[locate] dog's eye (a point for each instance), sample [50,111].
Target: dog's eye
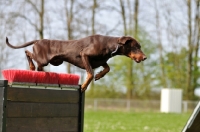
[135,49]
[139,46]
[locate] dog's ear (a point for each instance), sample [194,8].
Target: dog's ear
[124,39]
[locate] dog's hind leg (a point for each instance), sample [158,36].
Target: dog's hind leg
[29,56]
[40,68]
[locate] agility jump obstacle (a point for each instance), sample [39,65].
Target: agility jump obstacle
[29,107]
[193,124]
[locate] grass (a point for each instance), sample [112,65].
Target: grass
[113,121]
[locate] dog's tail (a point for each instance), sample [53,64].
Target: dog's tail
[21,46]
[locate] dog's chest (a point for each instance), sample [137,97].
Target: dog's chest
[103,54]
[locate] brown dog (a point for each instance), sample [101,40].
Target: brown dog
[86,53]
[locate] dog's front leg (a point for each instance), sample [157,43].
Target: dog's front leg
[90,72]
[102,73]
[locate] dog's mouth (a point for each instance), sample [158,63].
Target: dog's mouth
[138,61]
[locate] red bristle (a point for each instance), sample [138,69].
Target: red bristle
[14,75]
[53,78]
[75,79]
[9,75]
[27,76]
[63,78]
[42,77]
[68,79]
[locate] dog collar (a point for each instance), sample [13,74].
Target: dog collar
[115,50]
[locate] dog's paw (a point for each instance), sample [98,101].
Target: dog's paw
[83,88]
[98,76]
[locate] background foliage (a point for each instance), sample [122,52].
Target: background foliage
[168,31]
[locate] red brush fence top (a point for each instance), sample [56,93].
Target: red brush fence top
[15,75]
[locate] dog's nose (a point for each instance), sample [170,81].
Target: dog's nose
[144,57]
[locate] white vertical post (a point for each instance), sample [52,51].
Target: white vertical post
[171,100]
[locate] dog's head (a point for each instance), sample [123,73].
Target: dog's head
[132,49]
